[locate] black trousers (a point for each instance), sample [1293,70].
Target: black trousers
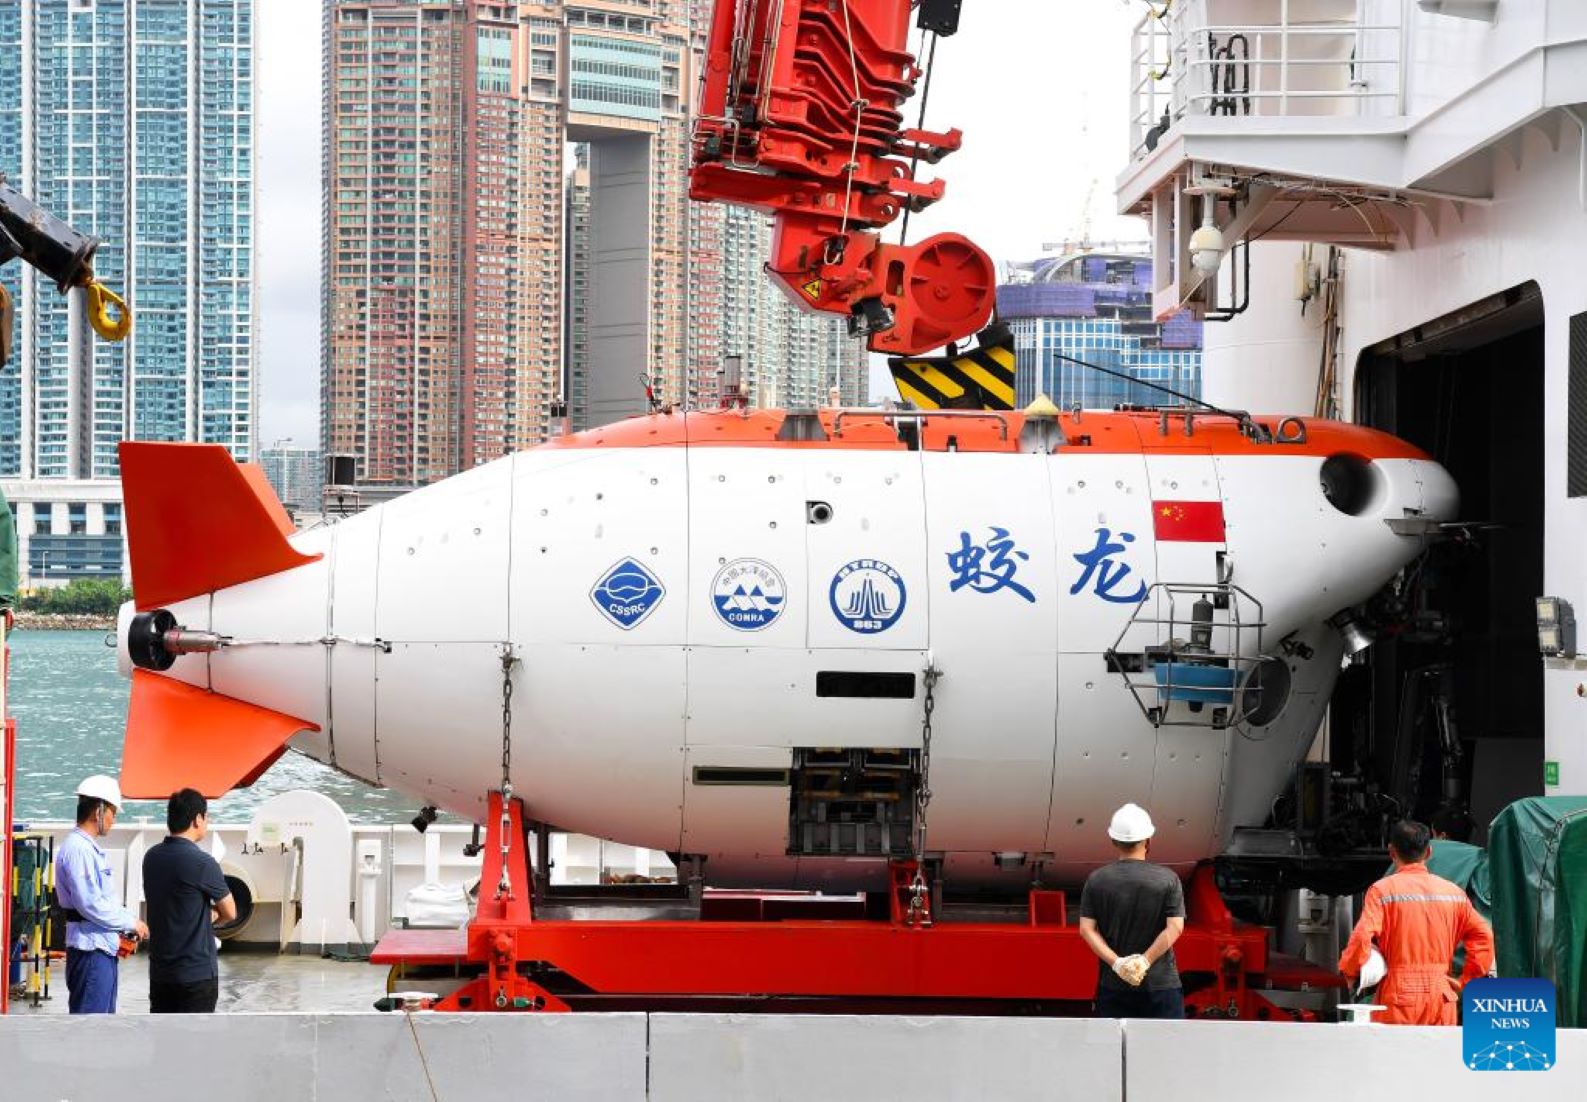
[183,998]
[1140,1002]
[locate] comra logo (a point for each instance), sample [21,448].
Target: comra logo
[1508,1025]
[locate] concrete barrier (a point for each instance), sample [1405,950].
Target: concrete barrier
[710,1056]
[323,1057]
[672,1057]
[1262,1061]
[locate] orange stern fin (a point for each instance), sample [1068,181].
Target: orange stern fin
[198,522]
[179,736]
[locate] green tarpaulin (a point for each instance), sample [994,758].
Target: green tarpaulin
[8,555]
[1537,866]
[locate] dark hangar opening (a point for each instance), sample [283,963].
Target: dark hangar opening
[1463,669]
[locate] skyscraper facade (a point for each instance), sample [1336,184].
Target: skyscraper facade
[296,474]
[1097,308]
[446,130]
[133,121]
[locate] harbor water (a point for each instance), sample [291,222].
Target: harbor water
[70,705]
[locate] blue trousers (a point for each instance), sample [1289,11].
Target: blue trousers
[91,981]
[1140,1002]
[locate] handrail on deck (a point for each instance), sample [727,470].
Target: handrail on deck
[1183,64]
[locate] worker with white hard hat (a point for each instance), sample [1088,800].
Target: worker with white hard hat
[1413,921]
[1131,913]
[95,918]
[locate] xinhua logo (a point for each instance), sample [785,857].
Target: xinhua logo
[1508,1025]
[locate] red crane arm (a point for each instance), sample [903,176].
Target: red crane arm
[800,116]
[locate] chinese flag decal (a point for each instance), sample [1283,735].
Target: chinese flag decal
[1188,521]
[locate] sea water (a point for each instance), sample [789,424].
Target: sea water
[70,705]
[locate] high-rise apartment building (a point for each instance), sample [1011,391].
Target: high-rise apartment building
[133,121]
[296,474]
[1096,307]
[791,357]
[576,288]
[446,129]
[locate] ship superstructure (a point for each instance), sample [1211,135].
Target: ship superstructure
[1386,204]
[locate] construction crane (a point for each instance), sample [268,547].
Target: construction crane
[29,232]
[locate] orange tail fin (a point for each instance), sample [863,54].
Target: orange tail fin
[198,522]
[179,736]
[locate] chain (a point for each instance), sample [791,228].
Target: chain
[509,659]
[918,911]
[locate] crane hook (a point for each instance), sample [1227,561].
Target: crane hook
[100,299]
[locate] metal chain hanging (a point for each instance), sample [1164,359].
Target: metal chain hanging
[509,659]
[919,913]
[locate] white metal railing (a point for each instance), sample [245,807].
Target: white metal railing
[1183,63]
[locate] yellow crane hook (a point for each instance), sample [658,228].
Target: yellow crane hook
[100,301]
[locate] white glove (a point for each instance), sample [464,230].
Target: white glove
[1373,971]
[1131,969]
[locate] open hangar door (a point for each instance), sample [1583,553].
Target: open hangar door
[1445,709]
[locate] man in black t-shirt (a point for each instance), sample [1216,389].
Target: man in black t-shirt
[1131,913]
[186,892]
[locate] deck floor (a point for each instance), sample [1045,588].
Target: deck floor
[256,982]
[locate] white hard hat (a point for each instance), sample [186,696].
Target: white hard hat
[1131,824]
[101,787]
[1373,971]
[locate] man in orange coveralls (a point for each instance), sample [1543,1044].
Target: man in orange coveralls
[1417,919]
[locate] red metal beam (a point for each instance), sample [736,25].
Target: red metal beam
[801,117]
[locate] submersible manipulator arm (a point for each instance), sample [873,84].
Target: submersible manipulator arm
[29,232]
[801,117]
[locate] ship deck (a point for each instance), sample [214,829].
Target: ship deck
[250,982]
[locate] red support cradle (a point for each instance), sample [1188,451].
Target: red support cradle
[839,962]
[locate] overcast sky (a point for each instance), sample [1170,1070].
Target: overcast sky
[1039,88]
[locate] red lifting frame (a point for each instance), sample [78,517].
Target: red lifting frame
[800,117]
[838,959]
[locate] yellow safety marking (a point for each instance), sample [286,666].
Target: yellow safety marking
[998,388]
[981,378]
[919,397]
[938,379]
[812,288]
[1004,356]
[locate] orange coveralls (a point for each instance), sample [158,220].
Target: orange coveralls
[1417,919]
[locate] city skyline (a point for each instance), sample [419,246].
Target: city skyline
[446,129]
[150,147]
[1063,180]
[1095,306]
[132,120]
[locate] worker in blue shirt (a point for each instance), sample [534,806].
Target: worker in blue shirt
[95,921]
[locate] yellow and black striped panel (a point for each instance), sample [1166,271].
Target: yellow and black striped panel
[982,378]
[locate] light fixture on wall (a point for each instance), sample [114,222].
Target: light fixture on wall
[1556,628]
[1357,637]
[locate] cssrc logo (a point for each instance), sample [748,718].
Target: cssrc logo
[1508,1025]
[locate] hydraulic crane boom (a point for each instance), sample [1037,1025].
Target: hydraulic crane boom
[30,232]
[801,117]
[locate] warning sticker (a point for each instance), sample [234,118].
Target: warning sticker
[812,288]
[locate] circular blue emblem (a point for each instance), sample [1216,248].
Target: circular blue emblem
[748,594]
[868,596]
